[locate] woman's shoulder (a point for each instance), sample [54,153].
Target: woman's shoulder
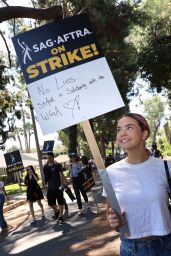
[116,165]
[158,163]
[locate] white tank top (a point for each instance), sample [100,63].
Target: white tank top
[141,190]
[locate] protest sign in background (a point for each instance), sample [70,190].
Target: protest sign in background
[13,161]
[47,148]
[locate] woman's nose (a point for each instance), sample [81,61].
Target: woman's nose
[123,132]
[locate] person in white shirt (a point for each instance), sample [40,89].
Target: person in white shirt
[76,167]
[141,187]
[3,194]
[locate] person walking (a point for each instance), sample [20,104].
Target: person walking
[76,168]
[141,187]
[3,195]
[94,168]
[54,178]
[155,151]
[34,192]
[109,160]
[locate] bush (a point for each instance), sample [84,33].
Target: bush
[168,152]
[3,178]
[14,189]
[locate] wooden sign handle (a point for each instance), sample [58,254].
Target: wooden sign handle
[93,144]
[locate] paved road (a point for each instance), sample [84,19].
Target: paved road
[79,236]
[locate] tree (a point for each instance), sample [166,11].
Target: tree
[27,131]
[154,112]
[152,39]
[13,12]
[16,134]
[9,110]
[167,132]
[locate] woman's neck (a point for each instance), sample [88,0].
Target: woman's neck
[30,176]
[137,157]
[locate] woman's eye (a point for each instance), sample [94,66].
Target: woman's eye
[118,130]
[129,127]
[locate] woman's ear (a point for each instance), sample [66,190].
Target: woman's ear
[145,134]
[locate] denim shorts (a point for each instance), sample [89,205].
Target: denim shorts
[160,246]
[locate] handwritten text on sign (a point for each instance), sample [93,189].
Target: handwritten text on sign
[69,97]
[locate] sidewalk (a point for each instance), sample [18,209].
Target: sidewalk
[14,201]
[94,238]
[16,210]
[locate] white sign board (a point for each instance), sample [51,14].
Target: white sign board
[70,97]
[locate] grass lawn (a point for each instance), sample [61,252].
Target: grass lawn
[14,189]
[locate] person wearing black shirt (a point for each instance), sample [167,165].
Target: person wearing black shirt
[55,179]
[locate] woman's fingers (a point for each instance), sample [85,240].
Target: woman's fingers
[115,219]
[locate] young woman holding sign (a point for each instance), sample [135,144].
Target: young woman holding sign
[141,187]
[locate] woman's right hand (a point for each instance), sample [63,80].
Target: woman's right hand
[116,220]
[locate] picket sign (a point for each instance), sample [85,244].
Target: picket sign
[102,172]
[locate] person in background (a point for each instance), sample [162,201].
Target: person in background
[86,164]
[65,187]
[54,178]
[34,192]
[94,168]
[141,188]
[117,155]
[109,160]
[3,195]
[76,167]
[155,151]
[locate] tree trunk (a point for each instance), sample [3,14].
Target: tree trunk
[29,135]
[112,146]
[102,145]
[167,132]
[19,140]
[155,132]
[37,145]
[72,136]
[12,12]
[25,132]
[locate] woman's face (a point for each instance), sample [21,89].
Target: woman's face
[73,159]
[129,134]
[29,170]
